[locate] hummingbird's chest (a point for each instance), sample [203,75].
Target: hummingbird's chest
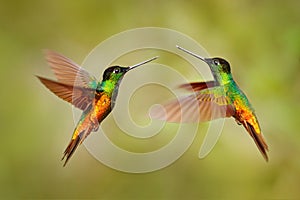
[242,111]
[243,108]
[245,113]
[101,107]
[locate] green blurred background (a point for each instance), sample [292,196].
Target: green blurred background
[261,39]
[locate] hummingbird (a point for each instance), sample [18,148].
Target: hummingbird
[75,85]
[218,98]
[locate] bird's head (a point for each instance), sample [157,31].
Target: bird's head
[219,67]
[116,73]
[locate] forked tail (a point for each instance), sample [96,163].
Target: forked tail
[74,143]
[70,149]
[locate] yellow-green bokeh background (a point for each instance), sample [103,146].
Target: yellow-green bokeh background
[261,39]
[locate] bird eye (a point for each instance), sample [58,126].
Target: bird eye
[117,70]
[216,62]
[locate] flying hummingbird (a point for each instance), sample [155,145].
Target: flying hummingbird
[215,99]
[76,86]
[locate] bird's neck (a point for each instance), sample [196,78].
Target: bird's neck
[223,78]
[110,87]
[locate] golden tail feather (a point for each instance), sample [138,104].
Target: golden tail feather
[258,139]
[70,149]
[74,143]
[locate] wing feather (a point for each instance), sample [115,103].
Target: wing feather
[67,71]
[78,96]
[198,107]
[198,86]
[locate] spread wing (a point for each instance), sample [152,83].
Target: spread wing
[78,96]
[206,105]
[74,84]
[197,86]
[68,72]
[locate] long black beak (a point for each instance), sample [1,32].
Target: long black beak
[191,53]
[142,63]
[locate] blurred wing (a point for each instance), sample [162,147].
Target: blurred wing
[78,96]
[68,72]
[197,86]
[199,107]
